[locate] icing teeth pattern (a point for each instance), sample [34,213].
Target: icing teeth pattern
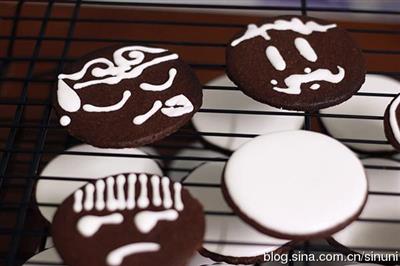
[120,194]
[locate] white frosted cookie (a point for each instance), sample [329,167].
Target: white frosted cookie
[295,184]
[379,235]
[72,166]
[45,258]
[225,232]
[363,129]
[238,123]
[50,257]
[180,168]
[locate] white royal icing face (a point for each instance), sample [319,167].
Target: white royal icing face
[114,72]
[294,81]
[122,195]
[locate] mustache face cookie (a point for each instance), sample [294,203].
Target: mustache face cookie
[296,63]
[126,96]
[129,219]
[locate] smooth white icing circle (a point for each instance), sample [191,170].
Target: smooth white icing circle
[226,228]
[72,166]
[296,183]
[363,129]
[238,123]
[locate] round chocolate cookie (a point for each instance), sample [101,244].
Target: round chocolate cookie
[129,219]
[295,184]
[296,63]
[126,96]
[391,122]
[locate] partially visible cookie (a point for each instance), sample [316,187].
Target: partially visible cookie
[236,122]
[126,96]
[228,238]
[360,128]
[296,63]
[295,184]
[129,219]
[64,173]
[391,122]
[377,234]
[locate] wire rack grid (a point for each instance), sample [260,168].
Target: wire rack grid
[37,38]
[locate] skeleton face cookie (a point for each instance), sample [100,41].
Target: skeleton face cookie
[129,219]
[126,96]
[296,62]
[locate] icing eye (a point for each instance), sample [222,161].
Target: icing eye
[89,225]
[146,221]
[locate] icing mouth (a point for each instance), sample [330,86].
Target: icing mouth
[294,81]
[115,257]
[110,108]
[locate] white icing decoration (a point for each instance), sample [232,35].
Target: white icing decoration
[78,75]
[146,221]
[122,70]
[155,183]
[394,125]
[115,257]
[315,86]
[166,192]
[166,85]
[295,24]
[140,119]
[275,58]
[111,202]
[78,197]
[89,197]
[143,200]
[89,225]
[118,73]
[100,186]
[293,82]
[65,120]
[130,204]
[67,98]
[110,108]
[178,197]
[305,49]
[177,106]
[274,82]
[119,193]
[307,70]
[121,202]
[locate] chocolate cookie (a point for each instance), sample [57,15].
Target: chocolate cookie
[295,184]
[228,237]
[126,96]
[296,63]
[129,219]
[391,122]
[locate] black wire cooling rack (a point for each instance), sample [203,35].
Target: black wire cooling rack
[30,133]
